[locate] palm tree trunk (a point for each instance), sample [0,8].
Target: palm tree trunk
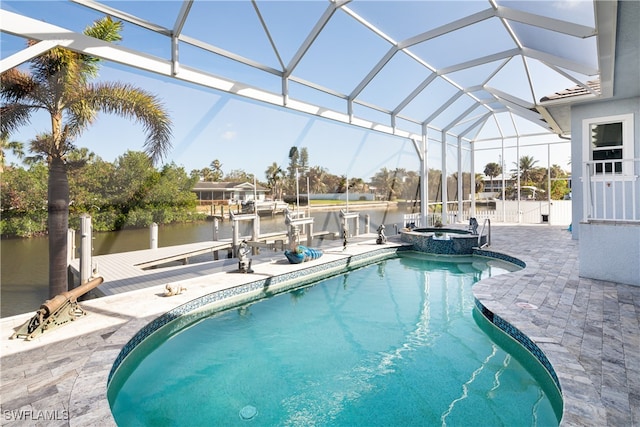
[58,207]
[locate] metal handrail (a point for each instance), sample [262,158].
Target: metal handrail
[484,224]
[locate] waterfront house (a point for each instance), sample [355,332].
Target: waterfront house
[493,186]
[228,192]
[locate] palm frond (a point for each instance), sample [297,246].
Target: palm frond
[105,29]
[15,116]
[16,85]
[137,104]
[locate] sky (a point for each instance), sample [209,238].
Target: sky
[249,135]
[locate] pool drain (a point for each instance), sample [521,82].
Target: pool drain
[248,412]
[527,306]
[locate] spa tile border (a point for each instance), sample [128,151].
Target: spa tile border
[500,256]
[521,338]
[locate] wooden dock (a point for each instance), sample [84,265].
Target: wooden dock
[127,271]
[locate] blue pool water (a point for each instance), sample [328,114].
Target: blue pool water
[394,343]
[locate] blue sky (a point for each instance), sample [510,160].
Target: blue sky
[248,135]
[242,134]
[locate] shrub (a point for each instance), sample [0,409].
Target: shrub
[292,199]
[22,226]
[138,218]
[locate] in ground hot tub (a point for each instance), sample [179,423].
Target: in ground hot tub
[444,241]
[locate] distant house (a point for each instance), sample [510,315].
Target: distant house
[228,192]
[493,187]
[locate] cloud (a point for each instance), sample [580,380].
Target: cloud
[229,135]
[568,4]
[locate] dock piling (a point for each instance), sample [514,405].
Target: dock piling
[85,248]
[153,236]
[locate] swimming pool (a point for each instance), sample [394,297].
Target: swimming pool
[393,343]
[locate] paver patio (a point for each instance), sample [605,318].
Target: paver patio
[589,330]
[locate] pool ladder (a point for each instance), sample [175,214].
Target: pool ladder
[484,225]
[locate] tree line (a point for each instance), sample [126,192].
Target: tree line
[127,193]
[131,193]
[532,175]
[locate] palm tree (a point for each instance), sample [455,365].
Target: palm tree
[59,82]
[15,147]
[275,175]
[294,164]
[317,179]
[526,166]
[206,174]
[492,170]
[216,170]
[479,183]
[388,183]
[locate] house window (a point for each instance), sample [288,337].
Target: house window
[610,141]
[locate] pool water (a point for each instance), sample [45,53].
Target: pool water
[393,343]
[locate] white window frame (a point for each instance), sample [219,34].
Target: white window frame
[627,145]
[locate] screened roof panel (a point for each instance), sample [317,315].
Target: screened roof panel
[370,114]
[163,13]
[316,97]
[350,53]
[484,38]
[466,129]
[582,51]
[456,111]
[142,40]
[506,123]
[395,81]
[578,11]
[232,26]
[221,66]
[489,130]
[338,47]
[401,20]
[473,133]
[545,80]
[430,99]
[289,23]
[525,127]
[10,45]
[476,76]
[513,80]
[410,126]
[55,12]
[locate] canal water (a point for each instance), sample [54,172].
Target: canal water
[24,262]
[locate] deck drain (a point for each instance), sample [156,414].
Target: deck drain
[527,306]
[248,412]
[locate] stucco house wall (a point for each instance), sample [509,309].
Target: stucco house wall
[610,249]
[589,111]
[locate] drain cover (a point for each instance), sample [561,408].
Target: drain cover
[248,412]
[527,306]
